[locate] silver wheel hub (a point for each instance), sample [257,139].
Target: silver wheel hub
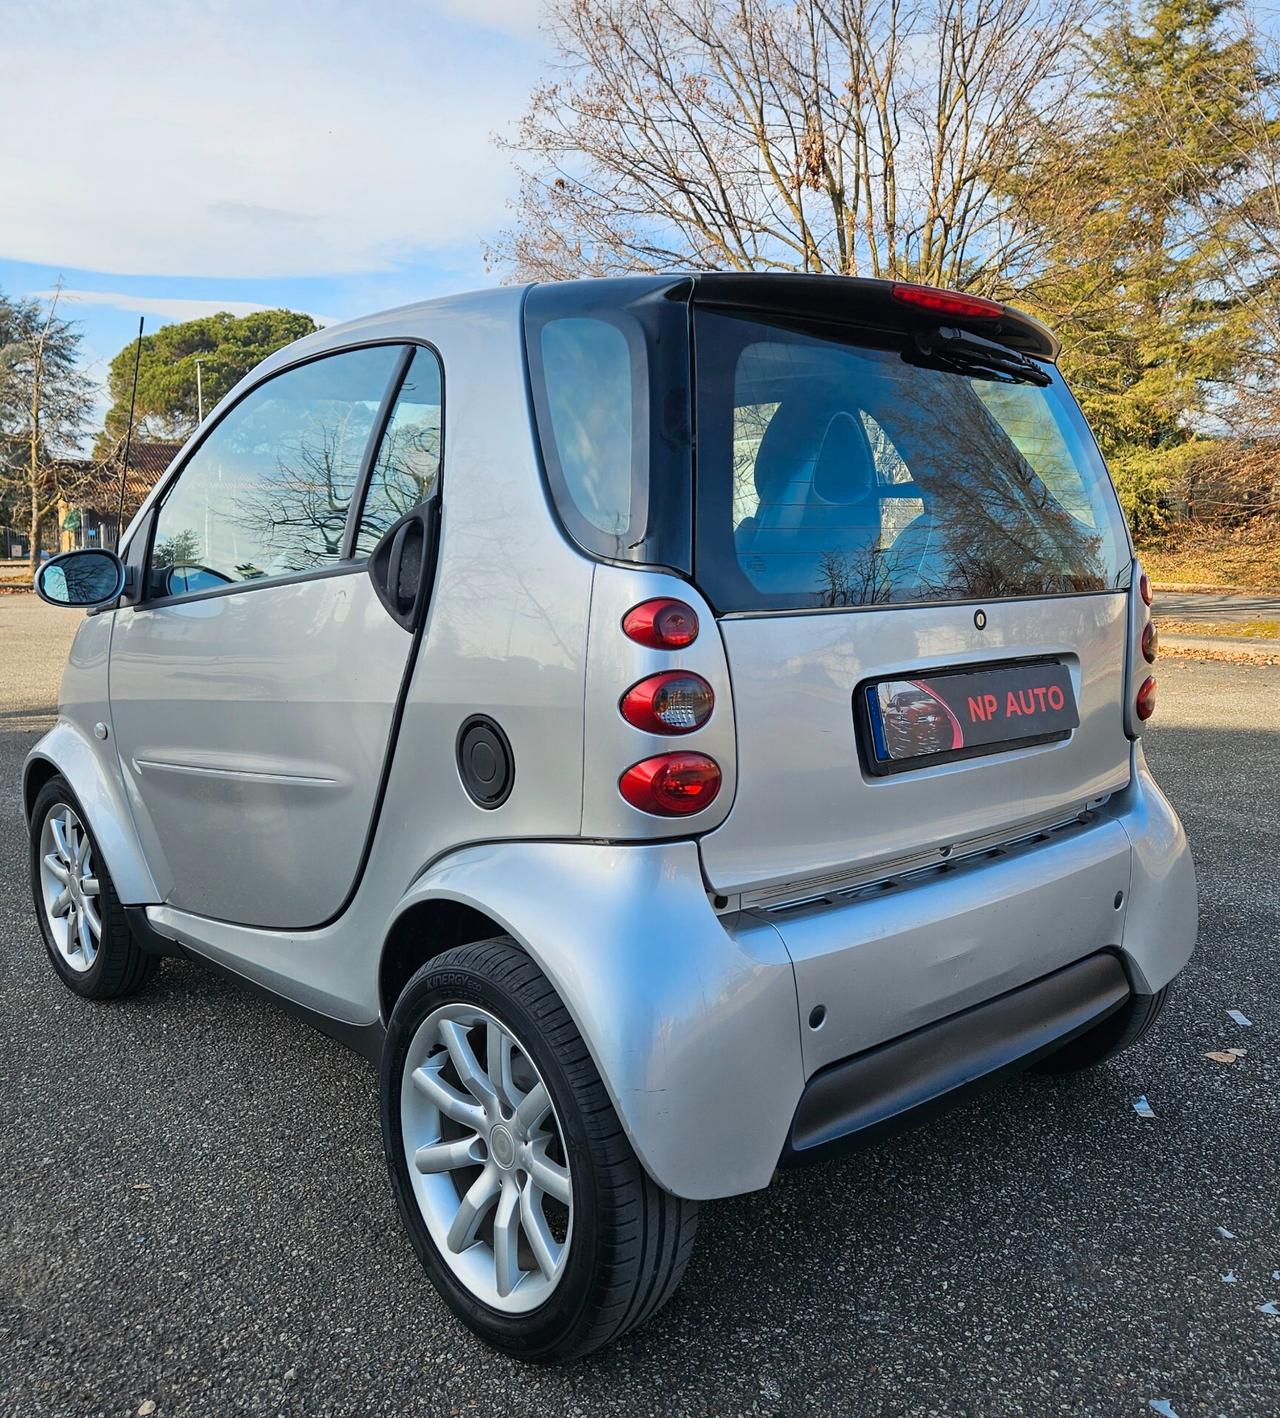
[502,1148]
[69,888]
[486,1158]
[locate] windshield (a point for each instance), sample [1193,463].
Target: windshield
[833,474]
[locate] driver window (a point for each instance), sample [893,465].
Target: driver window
[266,494]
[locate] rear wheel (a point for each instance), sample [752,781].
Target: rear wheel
[86,932]
[526,1204]
[1117,1032]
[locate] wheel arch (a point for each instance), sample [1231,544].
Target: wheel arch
[425,929]
[35,775]
[64,752]
[678,1013]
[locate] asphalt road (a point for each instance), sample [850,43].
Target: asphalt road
[1216,606]
[195,1213]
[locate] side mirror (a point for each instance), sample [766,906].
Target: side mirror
[86,579]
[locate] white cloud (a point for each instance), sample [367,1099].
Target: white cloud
[165,307]
[229,139]
[517,17]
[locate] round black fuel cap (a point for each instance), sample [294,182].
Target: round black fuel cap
[485,762]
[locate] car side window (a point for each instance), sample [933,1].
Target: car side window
[408,463]
[587,366]
[268,491]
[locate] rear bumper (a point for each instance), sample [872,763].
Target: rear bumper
[899,1084]
[890,958]
[700,1024]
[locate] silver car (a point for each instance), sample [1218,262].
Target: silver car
[680,726]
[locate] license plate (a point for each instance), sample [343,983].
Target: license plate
[949,714]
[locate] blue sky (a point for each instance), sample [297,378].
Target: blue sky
[330,157]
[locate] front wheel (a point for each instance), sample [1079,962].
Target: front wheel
[526,1204]
[86,932]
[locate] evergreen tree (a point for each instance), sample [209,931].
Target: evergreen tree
[1144,237]
[225,346]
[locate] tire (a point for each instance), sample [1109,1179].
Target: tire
[119,966]
[622,1242]
[1117,1032]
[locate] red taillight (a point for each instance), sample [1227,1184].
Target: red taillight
[672,784]
[672,703]
[1145,704]
[1150,642]
[1144,588]
[947,302]
[661,624]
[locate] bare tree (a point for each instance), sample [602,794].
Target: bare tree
[44,403]
[847,136]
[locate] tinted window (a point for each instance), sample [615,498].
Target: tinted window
[609,378]
[408,462]
[587,366]
[267,492]
[841,474]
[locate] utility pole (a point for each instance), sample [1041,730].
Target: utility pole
[199,395]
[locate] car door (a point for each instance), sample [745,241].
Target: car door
[254,686]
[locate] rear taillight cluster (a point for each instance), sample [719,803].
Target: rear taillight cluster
[672,703]
[661,624]
[669,702]
[1144,704]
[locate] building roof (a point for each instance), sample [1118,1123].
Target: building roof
[100,490]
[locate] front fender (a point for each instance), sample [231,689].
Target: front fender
[692,1026]
[79,759]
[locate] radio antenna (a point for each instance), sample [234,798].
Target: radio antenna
[128,434]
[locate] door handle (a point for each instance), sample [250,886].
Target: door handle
[401,596]
[402,566]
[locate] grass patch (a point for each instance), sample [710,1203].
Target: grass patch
[1244,558]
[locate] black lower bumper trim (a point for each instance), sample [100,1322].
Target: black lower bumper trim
[899,1084]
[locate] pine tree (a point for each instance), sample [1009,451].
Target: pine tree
[1143,239]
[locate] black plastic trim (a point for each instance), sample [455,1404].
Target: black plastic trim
[482,724]
[851,300]
[901,1083]
[150,941]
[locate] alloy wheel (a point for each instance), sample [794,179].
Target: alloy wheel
[486,1158]
[69,888]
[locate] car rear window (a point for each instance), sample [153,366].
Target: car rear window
[833,473]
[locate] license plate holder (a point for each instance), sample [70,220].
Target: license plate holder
[914,720]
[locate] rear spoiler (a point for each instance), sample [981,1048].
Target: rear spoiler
[856,300]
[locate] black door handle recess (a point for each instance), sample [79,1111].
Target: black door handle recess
[403,564]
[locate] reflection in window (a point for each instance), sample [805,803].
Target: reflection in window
[267,492]
[409,458]
[587,369]
[861,478]
[749,424]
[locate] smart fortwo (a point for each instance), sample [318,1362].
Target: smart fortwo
[679,726]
